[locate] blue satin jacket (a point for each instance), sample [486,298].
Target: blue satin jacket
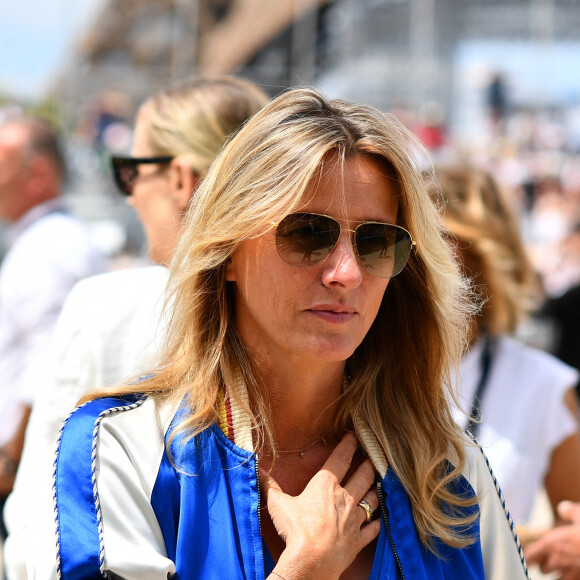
[208,510]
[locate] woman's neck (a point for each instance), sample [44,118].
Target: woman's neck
[303,402]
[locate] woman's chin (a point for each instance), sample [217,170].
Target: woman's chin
[330,350]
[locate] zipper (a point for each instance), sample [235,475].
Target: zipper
[385,513]
[260,517]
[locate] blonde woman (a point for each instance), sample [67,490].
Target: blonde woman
[296,426]
[521,400]
[111,325]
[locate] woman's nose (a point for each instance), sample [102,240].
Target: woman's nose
[342,265]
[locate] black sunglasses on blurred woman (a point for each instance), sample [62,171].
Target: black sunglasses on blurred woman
[125,170]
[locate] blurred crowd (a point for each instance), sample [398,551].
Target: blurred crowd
[534,155]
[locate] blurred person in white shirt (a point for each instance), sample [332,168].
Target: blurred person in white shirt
[49,250]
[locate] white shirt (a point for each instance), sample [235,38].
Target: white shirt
[524,416]
[109,331]
[51,251]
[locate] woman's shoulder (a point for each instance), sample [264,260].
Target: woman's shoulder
[122,310]
[127,410]
[478,471]
[134,421]
[110,430]
[531,360]
[133,283]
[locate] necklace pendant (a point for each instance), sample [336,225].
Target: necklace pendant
[302,454]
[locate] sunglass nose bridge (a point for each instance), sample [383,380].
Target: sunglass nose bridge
[346,237]
[342,264]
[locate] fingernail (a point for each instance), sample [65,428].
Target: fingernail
[564,505]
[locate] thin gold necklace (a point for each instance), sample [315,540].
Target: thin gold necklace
[345,383]
[304,449]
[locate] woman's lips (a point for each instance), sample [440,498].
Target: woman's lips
[333,313]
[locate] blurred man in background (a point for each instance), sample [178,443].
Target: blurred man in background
[48,252]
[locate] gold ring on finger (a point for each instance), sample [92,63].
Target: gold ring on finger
[368,509]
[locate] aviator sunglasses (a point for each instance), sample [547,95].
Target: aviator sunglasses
[305,239]
[125,170]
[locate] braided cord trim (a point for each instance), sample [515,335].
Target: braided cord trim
[97,424]
[507,512]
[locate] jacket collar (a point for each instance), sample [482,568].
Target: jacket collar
[235,423]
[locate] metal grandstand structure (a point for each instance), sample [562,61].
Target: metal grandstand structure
[376,50]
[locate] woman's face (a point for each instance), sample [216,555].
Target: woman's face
[323,311]
[153,201]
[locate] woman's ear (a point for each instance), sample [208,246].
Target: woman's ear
[183,182]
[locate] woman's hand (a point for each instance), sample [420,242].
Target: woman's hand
[324,528]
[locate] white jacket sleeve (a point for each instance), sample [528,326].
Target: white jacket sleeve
[502,554]
[129,543]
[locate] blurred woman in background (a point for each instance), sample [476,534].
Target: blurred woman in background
[520,401]
[111,325]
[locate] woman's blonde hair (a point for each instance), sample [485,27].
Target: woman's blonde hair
[193,118]
[483,222]
[400,372]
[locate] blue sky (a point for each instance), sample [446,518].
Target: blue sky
[35,38]
[538,73]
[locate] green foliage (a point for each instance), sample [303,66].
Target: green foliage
[49,108]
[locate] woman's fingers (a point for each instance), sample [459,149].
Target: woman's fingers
[340,459]
[361,480]
[358,485]
[368,533]
[268,483]
[359,490]
[369,527]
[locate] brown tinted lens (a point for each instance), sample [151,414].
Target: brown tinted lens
[383,249]
[304,239]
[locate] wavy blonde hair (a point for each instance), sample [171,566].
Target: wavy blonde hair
[400,372]
[482,220]
[193,118]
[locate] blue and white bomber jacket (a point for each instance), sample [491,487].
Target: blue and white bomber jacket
[122,510]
